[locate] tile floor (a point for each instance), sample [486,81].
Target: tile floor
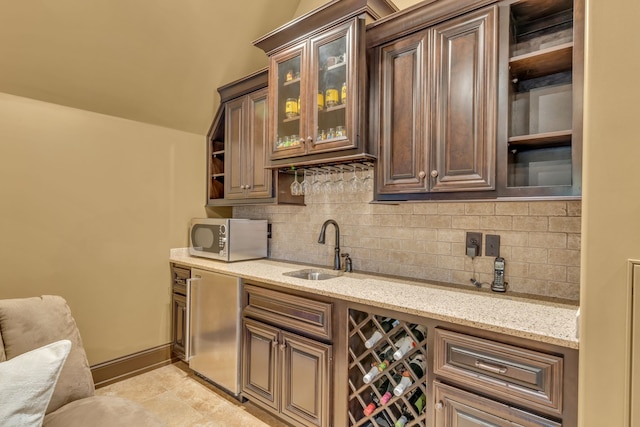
[182,399]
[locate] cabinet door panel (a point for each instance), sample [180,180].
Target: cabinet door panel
[260,179]
[306,380]
[260,362]
[403,116]
[179,325]
[458,408]
[463,136]
[234,148]
[333,58]
[288,85]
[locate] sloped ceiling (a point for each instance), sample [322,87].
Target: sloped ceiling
[154,61]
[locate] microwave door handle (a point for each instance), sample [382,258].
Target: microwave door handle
[187,347]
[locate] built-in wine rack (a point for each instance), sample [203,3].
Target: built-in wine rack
[368,406]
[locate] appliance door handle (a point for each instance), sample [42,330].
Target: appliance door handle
[190,293]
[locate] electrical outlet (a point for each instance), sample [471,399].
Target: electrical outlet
[492,247]
[473,244]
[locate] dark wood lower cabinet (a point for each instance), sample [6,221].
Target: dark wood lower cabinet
[308,360]
[179,326]
[455,407]
[288,373]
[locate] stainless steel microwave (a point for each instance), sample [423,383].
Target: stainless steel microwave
[228,239]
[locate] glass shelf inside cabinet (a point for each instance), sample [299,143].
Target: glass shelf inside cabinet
[387,371]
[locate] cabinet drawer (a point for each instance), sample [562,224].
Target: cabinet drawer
[514,374]
[180,275]
[289,311]
[455,407]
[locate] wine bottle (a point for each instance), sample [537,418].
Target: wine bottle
[417,365]
[417,402]
[375,401]
[381,422]
[407,342]
[387,394]
[386,356]
[387,324]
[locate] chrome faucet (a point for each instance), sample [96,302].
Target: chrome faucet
[336,260]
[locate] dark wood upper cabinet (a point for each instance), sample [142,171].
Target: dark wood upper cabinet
[478,99]
[464,96]
[318,85]
[246,132]
[434,108]
[401,111]
[237,148]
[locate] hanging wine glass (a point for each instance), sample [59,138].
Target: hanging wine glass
[354,181]
[305,185]
[295,185]
[317,183]
[339,182]
[367,179]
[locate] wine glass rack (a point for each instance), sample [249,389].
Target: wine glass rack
[367,407]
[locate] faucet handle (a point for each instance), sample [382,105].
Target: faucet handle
[348,265]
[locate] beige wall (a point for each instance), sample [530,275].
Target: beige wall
[91,205]
[540,241]
[611,208]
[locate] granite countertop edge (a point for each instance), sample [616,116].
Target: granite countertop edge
[548,322]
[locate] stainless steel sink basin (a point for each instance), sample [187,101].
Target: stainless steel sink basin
[313,274]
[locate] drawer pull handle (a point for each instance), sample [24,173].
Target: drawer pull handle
[496,369]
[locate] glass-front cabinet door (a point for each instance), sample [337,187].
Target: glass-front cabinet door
[314,106]
[288,68]
[332,58]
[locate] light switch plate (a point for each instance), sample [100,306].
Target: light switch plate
[492,247]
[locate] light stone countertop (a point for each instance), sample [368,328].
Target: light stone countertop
[548,322]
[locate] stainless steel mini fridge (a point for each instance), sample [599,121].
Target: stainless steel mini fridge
[214,320]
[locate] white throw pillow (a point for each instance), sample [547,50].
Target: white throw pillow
[27,382]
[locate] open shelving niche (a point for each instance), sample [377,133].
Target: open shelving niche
[361,394]
[215,157]
[541,95]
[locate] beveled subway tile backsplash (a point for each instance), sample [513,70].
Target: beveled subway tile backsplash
[540,240]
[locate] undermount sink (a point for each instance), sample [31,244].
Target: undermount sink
[311,274]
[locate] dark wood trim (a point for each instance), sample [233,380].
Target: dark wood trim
[331,13]
[245,85]
[129,366]
[418,17]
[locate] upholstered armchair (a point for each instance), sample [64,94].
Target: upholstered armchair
[45,377]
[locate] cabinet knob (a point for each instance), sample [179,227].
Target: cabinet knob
[274,343]
[422,174]
[310,139]
[439,406]
[434,173]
